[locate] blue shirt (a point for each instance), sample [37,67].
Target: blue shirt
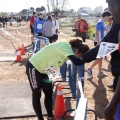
[38,25]
[101,28]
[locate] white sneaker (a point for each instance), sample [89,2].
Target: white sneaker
[101,74]
[89,72]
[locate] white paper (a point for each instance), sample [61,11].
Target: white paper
[39,26]
[106,48]
[52,72]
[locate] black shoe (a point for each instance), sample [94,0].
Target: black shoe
[110,86]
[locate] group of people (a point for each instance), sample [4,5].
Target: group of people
[48,60]
[48,28]
[3,21]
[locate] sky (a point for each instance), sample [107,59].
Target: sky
[18,5]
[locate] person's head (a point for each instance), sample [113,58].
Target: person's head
[79,17]
[53,17]
[49,18]
[106,15]
[78,46]
[34,13]
[41,15]
[114,7]
[110,21]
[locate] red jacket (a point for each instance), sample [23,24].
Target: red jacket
[31,20]
[81,26]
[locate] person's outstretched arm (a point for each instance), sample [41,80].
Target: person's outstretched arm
[75,60]
[111,37]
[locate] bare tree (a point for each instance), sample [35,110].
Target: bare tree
[57,5]
[32,9]
[48,5]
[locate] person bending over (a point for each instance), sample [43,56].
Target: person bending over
[45,64]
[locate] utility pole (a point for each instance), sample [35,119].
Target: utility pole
[27,11]
[48,6]
[57,4]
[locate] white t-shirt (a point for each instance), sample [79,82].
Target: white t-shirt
[108,27]
[56,26]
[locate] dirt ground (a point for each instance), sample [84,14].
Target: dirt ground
[95,90]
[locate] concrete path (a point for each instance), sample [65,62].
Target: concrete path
[6,57]
[15,100]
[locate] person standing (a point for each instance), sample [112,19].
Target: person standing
[31,25]
[3,21]
[100,29]
[38,25]
[55,28]
[47,29]
[81,27]
[6,20]
[109,25]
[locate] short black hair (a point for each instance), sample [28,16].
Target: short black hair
[49,17]
[106,13]
[113,1]
[33,13]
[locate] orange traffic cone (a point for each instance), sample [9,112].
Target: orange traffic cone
[18,59]
[59,104]
[22,50]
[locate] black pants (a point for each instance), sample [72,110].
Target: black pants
[82,35]
[50,39]
[39,34]
[83,38]
[115,82]
[37,84]
[55,37]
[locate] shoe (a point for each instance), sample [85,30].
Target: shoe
[89,71]
[101,74]
[110,86]
[50,118]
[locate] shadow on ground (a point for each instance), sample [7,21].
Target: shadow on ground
[100,93]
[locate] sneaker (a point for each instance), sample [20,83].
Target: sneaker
[50,118]
[101,74]
[89,71]
[110,86]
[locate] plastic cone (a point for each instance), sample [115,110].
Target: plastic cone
[22,50]
[18,58]
[59,104]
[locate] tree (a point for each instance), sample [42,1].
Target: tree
[106,9]
[38,9]
[3,14]
[32,9]
[43,8]
[24,11]
[72,11]
[57,5]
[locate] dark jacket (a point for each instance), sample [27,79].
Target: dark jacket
[111,37]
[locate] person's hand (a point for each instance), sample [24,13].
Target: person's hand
[110,112]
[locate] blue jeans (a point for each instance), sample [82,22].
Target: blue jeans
[72,71]
[63,70]
[117,115]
